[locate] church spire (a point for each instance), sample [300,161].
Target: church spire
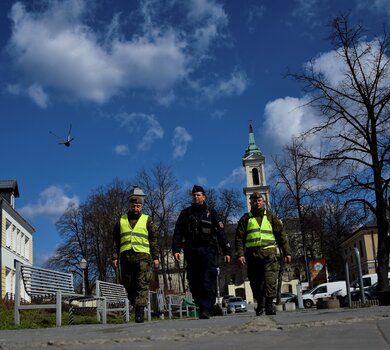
[252,147]
[253,162]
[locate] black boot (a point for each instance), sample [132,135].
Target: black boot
[139,314]
[259,309]
[204,314]
[269,306]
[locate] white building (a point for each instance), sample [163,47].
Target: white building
[16,238]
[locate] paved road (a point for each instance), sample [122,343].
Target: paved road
[364,328]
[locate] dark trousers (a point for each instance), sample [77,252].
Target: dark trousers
[262,275]
[136,275]
[202,276]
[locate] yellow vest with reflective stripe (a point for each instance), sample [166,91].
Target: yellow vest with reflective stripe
[259,236]
[134,238]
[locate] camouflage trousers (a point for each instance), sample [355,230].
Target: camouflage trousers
[136,275]
[263,275]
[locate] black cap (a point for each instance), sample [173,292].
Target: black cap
[256,195]
[197,188]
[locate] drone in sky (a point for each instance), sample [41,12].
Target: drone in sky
[68,140]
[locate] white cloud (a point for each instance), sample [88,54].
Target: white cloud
[237,176]
[52,202]
[286,118]
[298,115]
[181,138]
[166,98]
[209,19]
[13,89]
[218,114]
[334,69]
[122,150]
[147,124]
[62,53]
[234,86]
[36,93]
[330,65]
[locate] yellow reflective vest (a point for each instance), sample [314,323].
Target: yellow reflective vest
[134,238]
[259,236]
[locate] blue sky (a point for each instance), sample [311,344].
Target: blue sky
[150,81]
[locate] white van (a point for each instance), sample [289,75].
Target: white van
[368,281]
[324,290]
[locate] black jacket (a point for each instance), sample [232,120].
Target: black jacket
[198,226]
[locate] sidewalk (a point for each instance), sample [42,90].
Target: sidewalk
[343,328]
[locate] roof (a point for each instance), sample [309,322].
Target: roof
[252,147]
[7,186]
[370,225]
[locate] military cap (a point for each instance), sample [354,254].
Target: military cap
[197,188]
[256,195]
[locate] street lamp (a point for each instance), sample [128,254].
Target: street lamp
[83,266]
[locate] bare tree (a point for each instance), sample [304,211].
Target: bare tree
[101,212]
[355,124]
[71,228]
[338,222]
[296,173]
[87,233]
[161,203]
[228,204]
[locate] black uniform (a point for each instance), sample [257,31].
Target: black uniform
[198,232]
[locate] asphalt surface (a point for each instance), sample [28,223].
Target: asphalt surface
[341,328]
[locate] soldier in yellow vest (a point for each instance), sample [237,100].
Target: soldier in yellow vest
[135,246]
[258,234]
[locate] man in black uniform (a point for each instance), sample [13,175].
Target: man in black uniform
[198,232]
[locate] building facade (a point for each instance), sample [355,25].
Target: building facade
[16,238]
[365,240]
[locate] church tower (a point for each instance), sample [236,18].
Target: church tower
[253,162]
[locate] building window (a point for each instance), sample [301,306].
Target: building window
[255,176]
[22,244]
[361,249]
[8,281]
[27,248]
[18,241]
[8,234]
[13,238]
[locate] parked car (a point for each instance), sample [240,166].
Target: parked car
[284,297]
[236,304]
[368,280]
[370,292]
[324,290]
[225,299]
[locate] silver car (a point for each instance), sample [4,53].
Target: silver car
[236,304]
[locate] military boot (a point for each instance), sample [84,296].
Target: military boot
[259,309]
[269,306]
[139,314]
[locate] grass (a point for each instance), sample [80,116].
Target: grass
[41,318]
